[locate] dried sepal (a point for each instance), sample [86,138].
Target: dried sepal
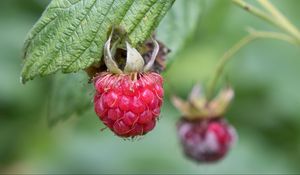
[197,106]
[222,101]
[149,65]
[134,60]
[160,61]
[111,65]
[151,49]
[196,93]
[181,105]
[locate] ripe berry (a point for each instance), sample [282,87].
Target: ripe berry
[205,140]
[128,96]
[128,104]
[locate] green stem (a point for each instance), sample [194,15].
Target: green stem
[232,51]
[283,22]
[224,59]
[275,17]
[274,35]
[255,11]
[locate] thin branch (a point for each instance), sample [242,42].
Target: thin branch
[274,35]
[275,17]
[255,11]
[284,22]
[224,59]
[233,50]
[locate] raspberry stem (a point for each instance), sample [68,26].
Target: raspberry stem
[283,22]
[239,45]
[274,17]
[255,11]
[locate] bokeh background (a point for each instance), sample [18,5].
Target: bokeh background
[265,112]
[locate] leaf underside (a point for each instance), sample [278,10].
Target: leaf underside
[70,95]
[71,34]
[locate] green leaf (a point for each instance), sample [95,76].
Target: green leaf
[179,25]
[175,29]
[70,95]
[71,34]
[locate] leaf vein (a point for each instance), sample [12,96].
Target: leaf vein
[76,58]
[69,36]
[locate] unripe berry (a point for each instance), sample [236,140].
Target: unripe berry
[205,140]
[128,104]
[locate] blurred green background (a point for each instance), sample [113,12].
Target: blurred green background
[265,112]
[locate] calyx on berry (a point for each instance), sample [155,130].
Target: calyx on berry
[134,61]
[204,134]
[198,107]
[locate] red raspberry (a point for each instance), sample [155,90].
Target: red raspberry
[206,140]
[128,105]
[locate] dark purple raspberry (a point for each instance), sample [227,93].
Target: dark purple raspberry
[205,140]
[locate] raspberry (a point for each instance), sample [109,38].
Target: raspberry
[128,104]
[205,140]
